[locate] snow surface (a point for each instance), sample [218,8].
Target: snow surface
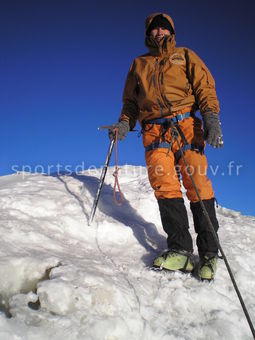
[61,279]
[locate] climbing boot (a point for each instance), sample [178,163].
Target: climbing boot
[207,267]
[175,260]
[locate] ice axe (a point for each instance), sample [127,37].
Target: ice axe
[103,174]
[101,181]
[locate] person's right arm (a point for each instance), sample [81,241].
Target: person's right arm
[130,109]
[129,113]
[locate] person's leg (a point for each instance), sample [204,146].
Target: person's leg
[207,246]
[175,223]
[198,166]
[165,182]
[205,240]
[206,243]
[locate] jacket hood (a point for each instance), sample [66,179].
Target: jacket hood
[149,19]
[150,42]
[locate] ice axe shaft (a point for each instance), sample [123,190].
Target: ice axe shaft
[101,182]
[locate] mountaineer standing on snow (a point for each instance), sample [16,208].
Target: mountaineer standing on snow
[173,83]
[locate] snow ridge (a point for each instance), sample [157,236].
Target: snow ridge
[60,278]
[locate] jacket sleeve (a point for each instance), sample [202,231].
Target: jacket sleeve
[130,109]
[203,84]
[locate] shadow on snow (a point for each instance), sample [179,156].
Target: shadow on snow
[146,233]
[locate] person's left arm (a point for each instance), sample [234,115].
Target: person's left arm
[203,85]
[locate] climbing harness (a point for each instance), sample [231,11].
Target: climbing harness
[166,123]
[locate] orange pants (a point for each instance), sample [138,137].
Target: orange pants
[163,168]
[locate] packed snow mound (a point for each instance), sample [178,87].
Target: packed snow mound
[61,279]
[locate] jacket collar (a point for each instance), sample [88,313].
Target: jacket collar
[160,49]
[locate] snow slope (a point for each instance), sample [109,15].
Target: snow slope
[60,279]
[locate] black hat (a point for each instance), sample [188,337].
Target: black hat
[160,21]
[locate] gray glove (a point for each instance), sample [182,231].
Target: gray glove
[212,129]
[123,128]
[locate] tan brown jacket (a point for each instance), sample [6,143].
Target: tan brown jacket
[166,80]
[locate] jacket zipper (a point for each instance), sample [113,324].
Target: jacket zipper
[161,83]
[158,82]
[156,85]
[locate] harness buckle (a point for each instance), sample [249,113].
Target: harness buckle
[180,117]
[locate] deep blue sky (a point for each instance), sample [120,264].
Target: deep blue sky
[63,66]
